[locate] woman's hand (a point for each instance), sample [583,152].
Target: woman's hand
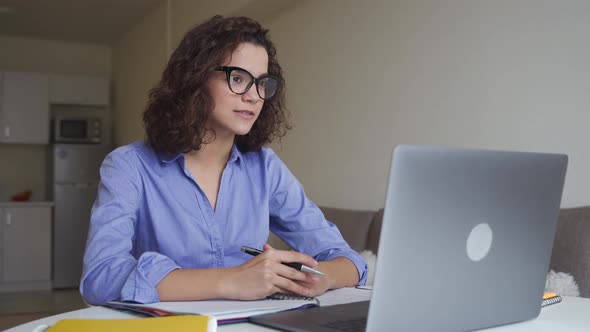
[265,274]
[339,272]
[316,288]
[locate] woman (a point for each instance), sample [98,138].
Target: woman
[173,212]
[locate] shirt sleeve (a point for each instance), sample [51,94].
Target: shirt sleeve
[301,224]
[111,272]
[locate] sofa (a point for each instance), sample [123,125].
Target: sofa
[571,248]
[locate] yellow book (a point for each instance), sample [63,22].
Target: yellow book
[184,323]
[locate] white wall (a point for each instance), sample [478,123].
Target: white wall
[363,76]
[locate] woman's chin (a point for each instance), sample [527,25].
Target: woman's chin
[242,131]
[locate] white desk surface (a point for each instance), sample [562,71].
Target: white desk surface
[572,314]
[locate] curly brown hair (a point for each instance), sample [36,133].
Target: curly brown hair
[180,104]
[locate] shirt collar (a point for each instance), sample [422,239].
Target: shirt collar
[167,158]
[235,154]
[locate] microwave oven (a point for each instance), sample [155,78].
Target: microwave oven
[79,130]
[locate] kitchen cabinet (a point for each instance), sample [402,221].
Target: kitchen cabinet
[24,108]
[25,260]
[79,90]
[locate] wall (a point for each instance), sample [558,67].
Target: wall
[24,166]
[50,56]
[185,14]
[365,76]
[139,57]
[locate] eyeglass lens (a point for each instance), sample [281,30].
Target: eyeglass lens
[240,81]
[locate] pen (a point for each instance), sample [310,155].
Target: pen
[296,266]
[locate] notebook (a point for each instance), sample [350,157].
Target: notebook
[550,298]
[465,244]
[224,311]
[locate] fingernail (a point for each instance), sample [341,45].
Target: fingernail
[315,278]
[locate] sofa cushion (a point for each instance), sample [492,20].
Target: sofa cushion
[353,225]
[571,248]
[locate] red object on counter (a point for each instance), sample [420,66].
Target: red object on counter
[22,196]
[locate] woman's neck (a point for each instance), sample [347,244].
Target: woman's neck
[213,154]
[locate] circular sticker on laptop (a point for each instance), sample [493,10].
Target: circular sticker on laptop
[479,242]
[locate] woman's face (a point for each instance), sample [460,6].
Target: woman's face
[234,114]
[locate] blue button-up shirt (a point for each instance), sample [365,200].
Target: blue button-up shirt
[151,217]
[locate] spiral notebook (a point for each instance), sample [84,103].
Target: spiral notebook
[225,311]
[550,298]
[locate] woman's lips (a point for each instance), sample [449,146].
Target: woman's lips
[245,114]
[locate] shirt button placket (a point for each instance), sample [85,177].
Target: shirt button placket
[219,257]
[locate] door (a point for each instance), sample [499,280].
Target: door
[24,108]
[77,163]
[73,203]
[26,242]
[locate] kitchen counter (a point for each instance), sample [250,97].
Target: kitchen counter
[26,204]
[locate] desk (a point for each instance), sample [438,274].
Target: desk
[572,314]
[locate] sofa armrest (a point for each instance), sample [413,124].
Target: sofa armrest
[353,225]
[571,248]
[375,232]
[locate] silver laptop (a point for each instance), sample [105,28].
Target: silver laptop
[465,244]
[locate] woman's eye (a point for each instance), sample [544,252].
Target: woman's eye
[236,79]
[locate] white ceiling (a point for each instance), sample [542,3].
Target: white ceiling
[88,21]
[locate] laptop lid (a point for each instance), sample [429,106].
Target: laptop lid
[465,244]
[466,238]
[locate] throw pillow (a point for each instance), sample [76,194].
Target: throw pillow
[371,260]
[562,284]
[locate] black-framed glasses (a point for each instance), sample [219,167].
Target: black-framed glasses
[239,81]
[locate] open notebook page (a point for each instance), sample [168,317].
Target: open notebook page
[227,309]
[232,310]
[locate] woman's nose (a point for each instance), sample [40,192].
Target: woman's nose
[251,95]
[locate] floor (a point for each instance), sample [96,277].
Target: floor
[21,307]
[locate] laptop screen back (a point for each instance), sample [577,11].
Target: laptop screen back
[466,238]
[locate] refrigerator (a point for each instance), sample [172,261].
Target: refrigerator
[75,177]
